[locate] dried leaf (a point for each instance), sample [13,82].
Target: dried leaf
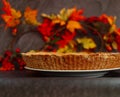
[52,16]
[87,43]
[30,16]
[114,45]
[112,28]
[64,14]
[16,14]
[58,21]
[11,16]
[66,49]
[77,15]
[72,25]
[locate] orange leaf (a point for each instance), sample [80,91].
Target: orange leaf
[30,16]
[72,25]
[10,20]
[11,16]
[77,15]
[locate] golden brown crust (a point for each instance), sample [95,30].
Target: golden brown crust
[72,61]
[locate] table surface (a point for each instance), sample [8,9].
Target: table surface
[30,73]
[28,83]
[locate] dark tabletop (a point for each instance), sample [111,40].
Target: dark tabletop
[29,83]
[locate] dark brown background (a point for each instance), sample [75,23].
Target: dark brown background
[33,40]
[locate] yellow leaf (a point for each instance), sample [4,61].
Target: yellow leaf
[87,43]
[52,16]
[16,14]
[112,28]
[114,45]
[66,49]
[30,16]
[72,44]
[64,14]
[72,25]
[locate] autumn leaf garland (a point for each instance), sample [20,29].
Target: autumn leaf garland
[67,31]
[80,33]
[30,16]
[13,17]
